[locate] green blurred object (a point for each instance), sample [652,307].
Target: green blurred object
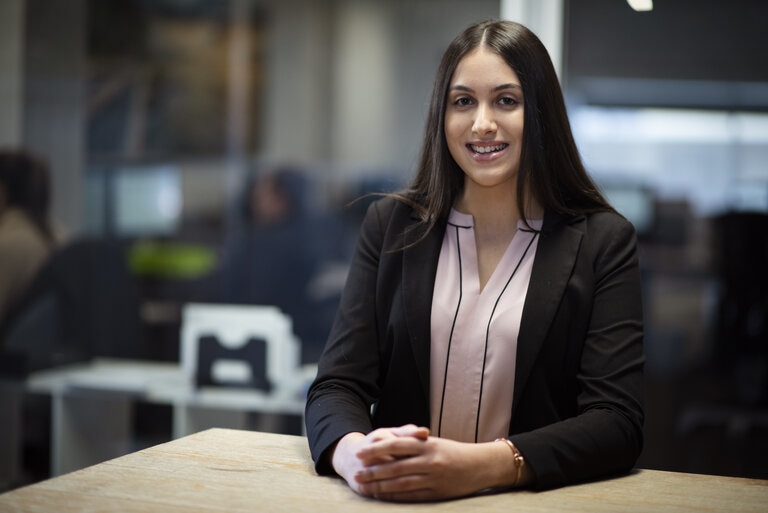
[170,260]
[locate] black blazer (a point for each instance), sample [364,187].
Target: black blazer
[577,411]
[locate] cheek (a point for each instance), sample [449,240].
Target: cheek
[453,132]
[519,123]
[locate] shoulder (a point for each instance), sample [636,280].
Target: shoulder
[595,225]
[609,223]
[604,236]
[389,211]
[18,234]
[611,241]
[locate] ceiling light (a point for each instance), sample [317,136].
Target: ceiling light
[641,5]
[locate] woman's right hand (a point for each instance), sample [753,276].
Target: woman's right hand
[345,460]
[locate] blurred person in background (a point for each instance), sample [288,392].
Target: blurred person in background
[27,238]
[272,257]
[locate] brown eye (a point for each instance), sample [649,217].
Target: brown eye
[462,101]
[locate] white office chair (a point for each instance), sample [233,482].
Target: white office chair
[244,346]
[242,359]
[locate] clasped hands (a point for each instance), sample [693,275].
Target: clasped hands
[405,463]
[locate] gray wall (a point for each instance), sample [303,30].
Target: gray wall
[352,90]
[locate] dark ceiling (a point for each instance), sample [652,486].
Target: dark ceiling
[687,53]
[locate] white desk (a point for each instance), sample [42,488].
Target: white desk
[221,470]
[92,402]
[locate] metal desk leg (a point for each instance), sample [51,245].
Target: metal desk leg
[88,428]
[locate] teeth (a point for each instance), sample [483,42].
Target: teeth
[487,149]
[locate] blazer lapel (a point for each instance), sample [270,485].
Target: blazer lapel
[556,253]
[419,269]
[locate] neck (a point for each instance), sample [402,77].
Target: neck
[489,206]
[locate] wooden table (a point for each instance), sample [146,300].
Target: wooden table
[221,470]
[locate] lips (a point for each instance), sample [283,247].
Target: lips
[484,149]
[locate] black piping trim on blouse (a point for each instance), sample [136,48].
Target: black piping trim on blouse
[453,325]
[488,330]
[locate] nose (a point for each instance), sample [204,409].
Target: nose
[484,120]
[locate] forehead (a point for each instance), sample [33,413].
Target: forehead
[483,66]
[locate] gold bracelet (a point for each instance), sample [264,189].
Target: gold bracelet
[518,458]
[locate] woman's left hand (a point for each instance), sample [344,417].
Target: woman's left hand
[432,469]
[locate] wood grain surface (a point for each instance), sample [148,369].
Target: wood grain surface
[221,470]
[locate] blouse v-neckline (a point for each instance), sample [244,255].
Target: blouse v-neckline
[513,253]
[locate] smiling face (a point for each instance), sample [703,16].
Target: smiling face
[484,120]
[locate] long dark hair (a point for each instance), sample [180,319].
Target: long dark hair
[26,181]
[550,165]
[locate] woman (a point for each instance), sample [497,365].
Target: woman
[490,332]
[26,238]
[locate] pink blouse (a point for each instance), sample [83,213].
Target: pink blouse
[474,333]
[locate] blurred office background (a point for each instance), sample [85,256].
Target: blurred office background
[186,136]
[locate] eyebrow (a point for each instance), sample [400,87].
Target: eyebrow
[501,87]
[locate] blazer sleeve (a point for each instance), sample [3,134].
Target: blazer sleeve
[347,383]
[600,315]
